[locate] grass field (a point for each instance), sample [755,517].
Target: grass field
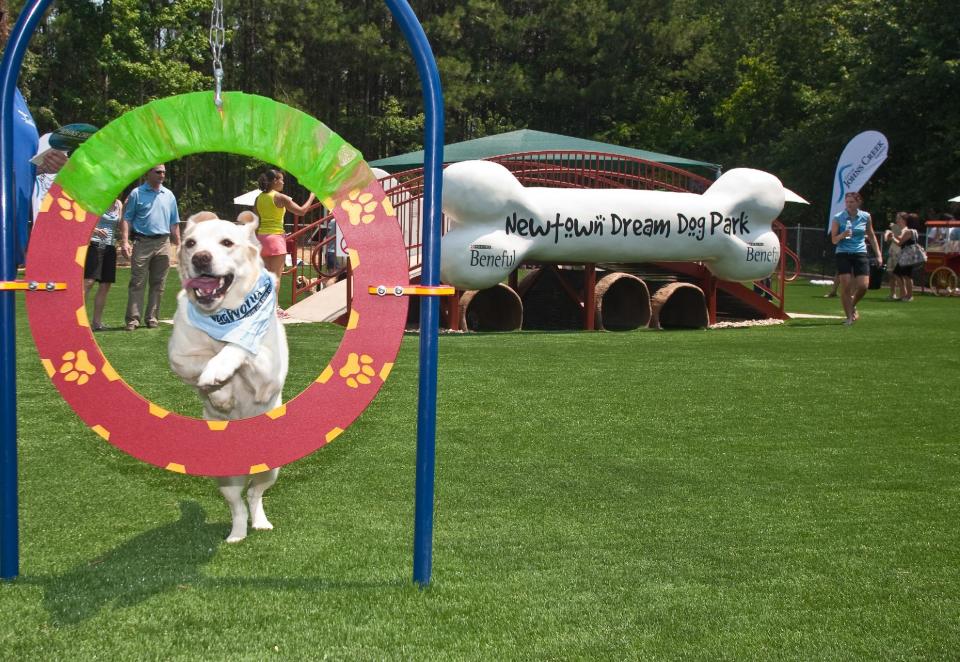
[785,492]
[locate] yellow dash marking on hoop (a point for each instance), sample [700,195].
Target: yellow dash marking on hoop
[159,412]
[102,431]
[354,321]
[333,434]
[329,203]
[385,371]
[325,375]
[109,372]
[354,258]
[259,468]
[388,207]
[277,412]
[82,317]
[49,367]
[217,426]
[81,257]
[177,468]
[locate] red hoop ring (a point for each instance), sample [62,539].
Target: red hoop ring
[119,414]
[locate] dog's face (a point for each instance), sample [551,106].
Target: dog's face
[219,262]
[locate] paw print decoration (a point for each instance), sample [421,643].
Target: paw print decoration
[357,370]
[67,208]
[360,207]
[77,367]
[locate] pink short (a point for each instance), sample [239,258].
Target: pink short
[272,244]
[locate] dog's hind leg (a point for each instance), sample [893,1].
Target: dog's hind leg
[231,487]
[259,484]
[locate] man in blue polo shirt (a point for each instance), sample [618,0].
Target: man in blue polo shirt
[150,219]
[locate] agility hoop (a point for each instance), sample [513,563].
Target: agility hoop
[165,130]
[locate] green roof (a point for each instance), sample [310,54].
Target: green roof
[527,140]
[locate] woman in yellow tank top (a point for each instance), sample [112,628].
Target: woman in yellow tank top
[271,205]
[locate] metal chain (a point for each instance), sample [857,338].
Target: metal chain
[217,39]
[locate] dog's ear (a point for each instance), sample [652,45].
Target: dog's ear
[247,217]
[201,216]
[251,223]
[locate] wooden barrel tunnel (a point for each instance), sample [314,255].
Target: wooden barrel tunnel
[622,303]
[496,308]
[679,306]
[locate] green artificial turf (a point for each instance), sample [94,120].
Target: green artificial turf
[786,492]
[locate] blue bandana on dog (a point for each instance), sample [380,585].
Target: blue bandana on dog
[245,325]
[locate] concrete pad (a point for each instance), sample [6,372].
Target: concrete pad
[324,306]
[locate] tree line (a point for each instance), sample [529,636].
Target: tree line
[779,85]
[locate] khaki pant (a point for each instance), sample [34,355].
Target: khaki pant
[149,263]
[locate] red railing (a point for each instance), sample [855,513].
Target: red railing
[598,170]
[405,192]
[775,287]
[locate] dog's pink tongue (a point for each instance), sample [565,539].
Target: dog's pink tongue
[203,283]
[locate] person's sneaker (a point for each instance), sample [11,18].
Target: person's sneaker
[829,295]
[848,322]
[282,314]
[152,324]
[96,326]
[131,326]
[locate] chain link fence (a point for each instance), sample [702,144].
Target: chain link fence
[815,249]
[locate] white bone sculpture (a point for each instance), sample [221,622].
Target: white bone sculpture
[496,224]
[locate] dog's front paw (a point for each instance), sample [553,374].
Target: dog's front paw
[215,374]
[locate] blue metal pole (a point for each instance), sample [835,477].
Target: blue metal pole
[430,275]
[9,71]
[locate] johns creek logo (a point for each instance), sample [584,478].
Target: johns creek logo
[842,180]
[848,173]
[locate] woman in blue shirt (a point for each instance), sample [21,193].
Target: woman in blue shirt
[849,231]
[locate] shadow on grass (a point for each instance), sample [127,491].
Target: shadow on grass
[166,558]
[150,563]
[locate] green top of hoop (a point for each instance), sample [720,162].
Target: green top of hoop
[173,127]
